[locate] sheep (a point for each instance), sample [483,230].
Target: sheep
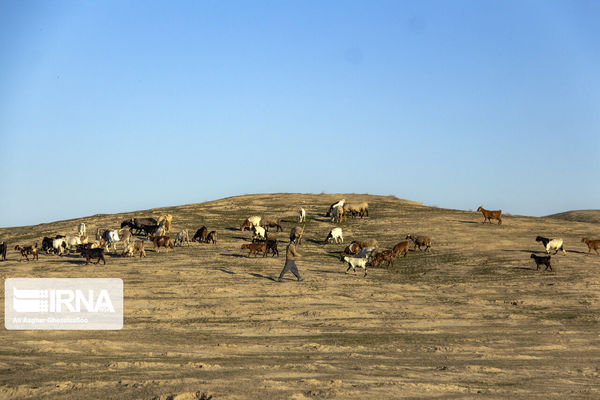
[28,250]
[296,234]
[182,236]
[259,232]
[592,244]
[201,235]
[366,243]
[81,229]
[250,222]
[168,221]
[3,247]
[335,234]
[351,210]
[385,255]
[490,215]
[363,209]
[161,241]
[542,260]
[301,215]
[93,253]
[401,247]
[271,223]
[336,204]
[551,244]
[354,262]
[337,215]
[212,237]
[132,248]
[420,241]
[255,248]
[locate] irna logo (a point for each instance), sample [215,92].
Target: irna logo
[31,300]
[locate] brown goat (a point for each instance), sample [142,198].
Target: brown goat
[490,215]
[161,241]
[28,250]
[592,244]
[401,247]
[135,247]
[385,255]
[366,243]
[351,250]
[255,248]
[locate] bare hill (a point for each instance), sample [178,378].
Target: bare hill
[592,216]
[471,318]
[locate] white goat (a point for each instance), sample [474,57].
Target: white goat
[59,245]
[556,245]
[72,242]
[354,262]
[259,232]
[182,236]
[302,215]
[335,234]
[81,229]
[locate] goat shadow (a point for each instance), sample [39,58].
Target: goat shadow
[525,268]
[237,255]
[269,278]
[226,271]
[468,222]
[579,252]
[232,229]
[315,241]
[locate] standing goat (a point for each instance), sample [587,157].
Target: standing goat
[490,215]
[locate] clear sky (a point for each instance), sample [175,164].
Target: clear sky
[109,106]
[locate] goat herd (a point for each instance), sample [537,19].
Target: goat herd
[357,254]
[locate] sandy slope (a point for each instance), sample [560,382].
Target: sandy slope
[473,318]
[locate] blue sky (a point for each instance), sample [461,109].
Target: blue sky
[123,105]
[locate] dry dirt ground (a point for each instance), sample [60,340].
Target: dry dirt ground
[473,318]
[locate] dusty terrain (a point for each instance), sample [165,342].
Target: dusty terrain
[473,318]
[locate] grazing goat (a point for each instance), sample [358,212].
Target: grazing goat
[352,249]
[336,204]
[271,223]
[420,241]
[201,235]
[301,215]
[250,223]
[168,221]
[490,215]
[3,247]
[132,248]
[551,244]
[338,214]
[592,244]
[212,237]
[401,247]
[90,254]
[542,260]
[380,257]
[161,241]
[335,234]
[354,262]
[351,210]
[28,250]
[296,234]
[255,248]
[182,236]
[81,229]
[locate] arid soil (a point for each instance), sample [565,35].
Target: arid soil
[472,318]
